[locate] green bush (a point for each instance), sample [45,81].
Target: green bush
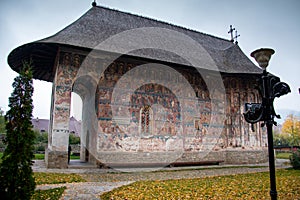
[73,139]
[40,148]
[40,137]
[295,159]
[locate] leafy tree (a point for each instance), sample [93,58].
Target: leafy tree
[16,176]
[291,126]
[282,139]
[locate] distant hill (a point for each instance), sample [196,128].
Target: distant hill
[284,113]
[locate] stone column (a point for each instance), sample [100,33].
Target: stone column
[58,141]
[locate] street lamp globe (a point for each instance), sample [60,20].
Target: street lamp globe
[262,56]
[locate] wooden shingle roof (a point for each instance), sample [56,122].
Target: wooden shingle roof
[99,24]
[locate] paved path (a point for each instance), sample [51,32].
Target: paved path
[104,180]
[86,190]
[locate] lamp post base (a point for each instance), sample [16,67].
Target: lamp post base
[273,192]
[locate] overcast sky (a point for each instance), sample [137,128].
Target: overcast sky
[261,23]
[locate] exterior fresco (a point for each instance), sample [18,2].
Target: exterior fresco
[127,135]
[150,116]
[61,99]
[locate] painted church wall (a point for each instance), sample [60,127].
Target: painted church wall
[174,124]
[176,120]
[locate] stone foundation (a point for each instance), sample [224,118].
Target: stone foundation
[246,156]
[142,158]
[56,159]
[228,156]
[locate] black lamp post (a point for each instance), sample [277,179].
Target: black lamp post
[270,87]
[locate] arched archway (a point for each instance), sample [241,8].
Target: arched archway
[75,124]
[76,106]
[84,89]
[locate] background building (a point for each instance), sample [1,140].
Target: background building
[42,125]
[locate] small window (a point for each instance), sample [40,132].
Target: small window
[146,115]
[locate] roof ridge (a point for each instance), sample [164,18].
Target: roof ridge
[160,21]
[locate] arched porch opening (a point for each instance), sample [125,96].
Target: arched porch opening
[83,106]
[75,125]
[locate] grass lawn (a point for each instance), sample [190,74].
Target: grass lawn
[283,155]
[53,178]
[245,186]
[42,157]
[53,194]
[56,178]
[39,156]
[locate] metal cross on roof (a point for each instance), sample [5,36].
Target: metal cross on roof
[231,33]
[236,36]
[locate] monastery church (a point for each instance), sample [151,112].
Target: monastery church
[153,93]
